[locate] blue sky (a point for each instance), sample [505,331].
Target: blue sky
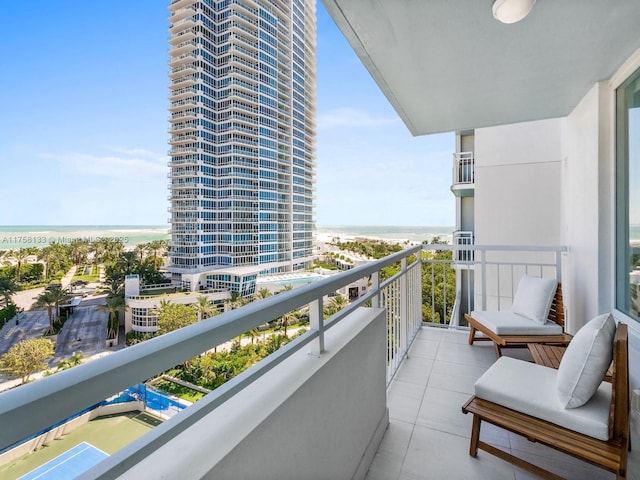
[84,125]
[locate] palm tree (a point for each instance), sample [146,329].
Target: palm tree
[127,261]
[113,307]
[113,286]
[8,288]
[51,300]
[19,256]
[55,256]
[235,301]
[205,308]
[156,246]
[74,360]
[111,249]
[78,250]
[287,319]
[336,304]
[140,249]
[262,294]
[45,255]
[286,288]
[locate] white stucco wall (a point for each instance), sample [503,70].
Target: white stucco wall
[311,417]
[588,205]
[517,175]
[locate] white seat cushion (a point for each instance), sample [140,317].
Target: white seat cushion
[531,389]
[505,322]
[586,360]
[534,297]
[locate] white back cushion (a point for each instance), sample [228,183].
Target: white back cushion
[585,362]
[533,298]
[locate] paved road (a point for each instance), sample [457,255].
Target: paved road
[29,325]
[84,331]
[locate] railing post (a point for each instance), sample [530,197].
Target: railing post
[375,286]
[404,303]
[316,322]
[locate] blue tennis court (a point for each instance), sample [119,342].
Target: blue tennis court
[69,464]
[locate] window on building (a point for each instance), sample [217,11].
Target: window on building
[628,197]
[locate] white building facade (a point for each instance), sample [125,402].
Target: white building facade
[242,125]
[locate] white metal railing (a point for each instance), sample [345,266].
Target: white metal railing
[402,295]
[463,168]
[70,391]
[486,280]
[463,238]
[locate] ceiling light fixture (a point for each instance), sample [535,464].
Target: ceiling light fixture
[511,11]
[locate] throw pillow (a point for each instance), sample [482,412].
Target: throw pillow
[533,298]
[586,361]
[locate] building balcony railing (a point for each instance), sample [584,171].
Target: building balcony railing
[385,317]
[189,68]
[179,14]
[463,174]
[183,47]
[463,238]
[182,59]
[180,25]
[181,93]
[184,35]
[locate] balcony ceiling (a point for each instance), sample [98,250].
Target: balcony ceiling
[448,65]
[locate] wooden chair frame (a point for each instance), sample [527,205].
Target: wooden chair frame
[610,455]
[556,314]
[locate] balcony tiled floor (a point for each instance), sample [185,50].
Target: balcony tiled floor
[428,435]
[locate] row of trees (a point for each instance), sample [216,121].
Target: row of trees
[438,277]
[56,258]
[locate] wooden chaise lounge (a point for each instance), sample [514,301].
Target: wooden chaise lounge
[501,340]
[609,411]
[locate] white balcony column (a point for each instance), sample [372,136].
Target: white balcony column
[316,322]
[375,286]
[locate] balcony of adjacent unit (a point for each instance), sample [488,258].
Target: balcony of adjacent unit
[463,174]
[183,116]
[178,4]
[183,81]
[239,28]
[181,13]
[182,93]
[182,59]
[183,138]
[183,207]
[189,171]
[186,69]
[183,127]
[183,36]
[464,240]
[182,105]
[182,25]
[183,150]
[182,48]
[188,160]
[183,196]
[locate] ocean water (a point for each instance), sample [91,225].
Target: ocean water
[389,232]
[18,236]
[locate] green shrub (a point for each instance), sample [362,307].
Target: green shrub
[7,313]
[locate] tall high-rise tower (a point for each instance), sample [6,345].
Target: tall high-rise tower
[242,115]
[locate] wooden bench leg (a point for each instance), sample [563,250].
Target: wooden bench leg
[472,335]
[498,349]
[475,436]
